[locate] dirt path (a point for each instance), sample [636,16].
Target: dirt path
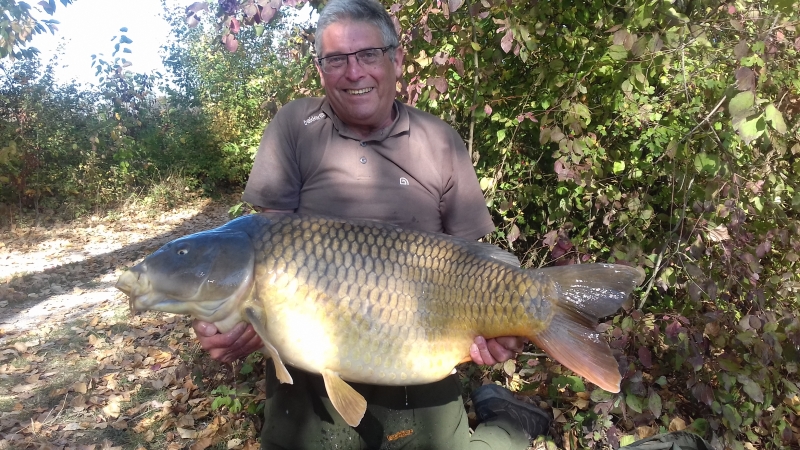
[56,273]
[76,371]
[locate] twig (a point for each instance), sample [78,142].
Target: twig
[722,100]
[657,267]
[475,80]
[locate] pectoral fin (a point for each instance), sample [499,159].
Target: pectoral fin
[256,319]
[348,403]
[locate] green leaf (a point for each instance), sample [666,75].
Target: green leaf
[476,46]
[742,105]
[775,118]
[617,52]
[619,167]
[732,417]
[751,388]
[574,383]
[634,403]
[628,439]
[220,402]
[600,396]
[750,129]
[705,163]
[654,404]
[501,135]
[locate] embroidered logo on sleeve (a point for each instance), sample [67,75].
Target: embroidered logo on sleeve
[313,119]
[403,181]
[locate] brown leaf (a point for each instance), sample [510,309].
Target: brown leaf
[78,401]
[186,433]
[719,234]
[741,50]
[20,388]
[507,41]
[202,444]
[454,4]
[73,426]
[745,79]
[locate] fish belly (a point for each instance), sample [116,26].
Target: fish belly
[384,306]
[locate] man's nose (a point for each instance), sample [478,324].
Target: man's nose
[354,70]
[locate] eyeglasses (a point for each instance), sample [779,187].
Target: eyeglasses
[367,58]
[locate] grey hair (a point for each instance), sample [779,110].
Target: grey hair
[368,11]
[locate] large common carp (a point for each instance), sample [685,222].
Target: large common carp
[369,302]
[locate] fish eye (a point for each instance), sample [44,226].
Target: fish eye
[183,251]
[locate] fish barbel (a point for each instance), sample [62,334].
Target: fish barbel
[370,302]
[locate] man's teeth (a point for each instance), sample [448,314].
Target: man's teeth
[358,91]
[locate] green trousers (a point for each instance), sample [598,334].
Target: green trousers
[300,416]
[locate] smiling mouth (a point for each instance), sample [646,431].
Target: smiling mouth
[359,91]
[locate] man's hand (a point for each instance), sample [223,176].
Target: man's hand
[227,347]
[495,350]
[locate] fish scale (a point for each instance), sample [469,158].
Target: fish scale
[370,302]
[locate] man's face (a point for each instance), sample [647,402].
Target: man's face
[362,97]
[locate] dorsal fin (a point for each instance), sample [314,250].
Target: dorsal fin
[486,250]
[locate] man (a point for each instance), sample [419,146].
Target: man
[358,153]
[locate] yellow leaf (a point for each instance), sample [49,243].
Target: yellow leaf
[644,431]
[112,409]
[581,403]
[677,424]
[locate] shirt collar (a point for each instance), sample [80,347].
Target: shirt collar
[399,125]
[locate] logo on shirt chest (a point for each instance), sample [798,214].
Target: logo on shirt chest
[313,119]
[403,181]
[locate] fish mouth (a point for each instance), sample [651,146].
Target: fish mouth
[138,289]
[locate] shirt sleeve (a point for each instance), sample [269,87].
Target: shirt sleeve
[275,181]
[464,211]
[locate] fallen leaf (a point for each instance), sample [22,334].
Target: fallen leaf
[677,424]
[202,444]
[20,388]
[644,432]
[112,409]
[186,433]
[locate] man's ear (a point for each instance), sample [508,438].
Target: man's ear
[398,62]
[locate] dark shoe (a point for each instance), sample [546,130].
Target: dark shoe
[493,402]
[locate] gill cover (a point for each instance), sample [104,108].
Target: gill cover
[197,274]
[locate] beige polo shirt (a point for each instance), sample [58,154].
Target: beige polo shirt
[416,173]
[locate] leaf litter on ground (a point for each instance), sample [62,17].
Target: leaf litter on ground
[76,371]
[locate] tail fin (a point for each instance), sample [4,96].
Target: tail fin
[586,293]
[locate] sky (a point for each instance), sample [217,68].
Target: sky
[88,26]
